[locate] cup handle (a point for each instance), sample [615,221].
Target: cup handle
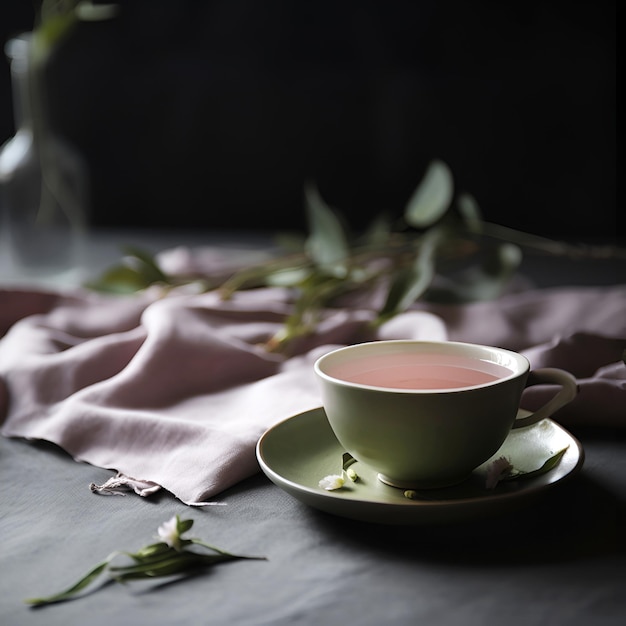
[548,376]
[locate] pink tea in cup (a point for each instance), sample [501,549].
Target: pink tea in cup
[418,371]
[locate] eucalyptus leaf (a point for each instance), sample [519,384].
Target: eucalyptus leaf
[145,263]
[504,260]
[138,270]
[432,198]
[120,279]
[327,242]
[411,282]
[470,212]
[288,277]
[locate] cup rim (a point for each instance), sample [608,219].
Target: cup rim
[523,365]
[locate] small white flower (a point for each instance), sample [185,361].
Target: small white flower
[332,482]
[169,534]
[496,470]
[352,475]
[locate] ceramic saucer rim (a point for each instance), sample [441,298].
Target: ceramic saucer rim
[483,501]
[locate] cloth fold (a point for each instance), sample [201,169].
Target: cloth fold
[176,390]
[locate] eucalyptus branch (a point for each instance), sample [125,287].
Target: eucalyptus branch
[441,250]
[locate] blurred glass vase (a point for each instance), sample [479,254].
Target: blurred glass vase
[43,182]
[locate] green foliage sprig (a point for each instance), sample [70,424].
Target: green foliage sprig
[440,250]
[171,556]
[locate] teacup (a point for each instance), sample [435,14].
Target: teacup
[425,414]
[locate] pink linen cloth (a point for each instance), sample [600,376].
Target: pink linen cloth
[173,391]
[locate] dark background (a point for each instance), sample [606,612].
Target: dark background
[213,114]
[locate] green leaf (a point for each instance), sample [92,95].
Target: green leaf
[289,277]
[120,279]
[183,525]
[412,282]
[151,551]
[137,271]
[432,197]
[505,258]
[143,557]
[550,464]
[470,212]
[146,264]
[74,589]
[327,242]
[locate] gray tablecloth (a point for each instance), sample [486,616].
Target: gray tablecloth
[563,561]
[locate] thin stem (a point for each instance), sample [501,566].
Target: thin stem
[549,246]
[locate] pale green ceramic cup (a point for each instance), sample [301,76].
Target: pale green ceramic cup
[426,414]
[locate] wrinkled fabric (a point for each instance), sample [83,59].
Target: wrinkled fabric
[175,390]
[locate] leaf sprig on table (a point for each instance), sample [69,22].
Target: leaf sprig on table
[171,556]
[440,249]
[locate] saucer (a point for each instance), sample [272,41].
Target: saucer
[298,452]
